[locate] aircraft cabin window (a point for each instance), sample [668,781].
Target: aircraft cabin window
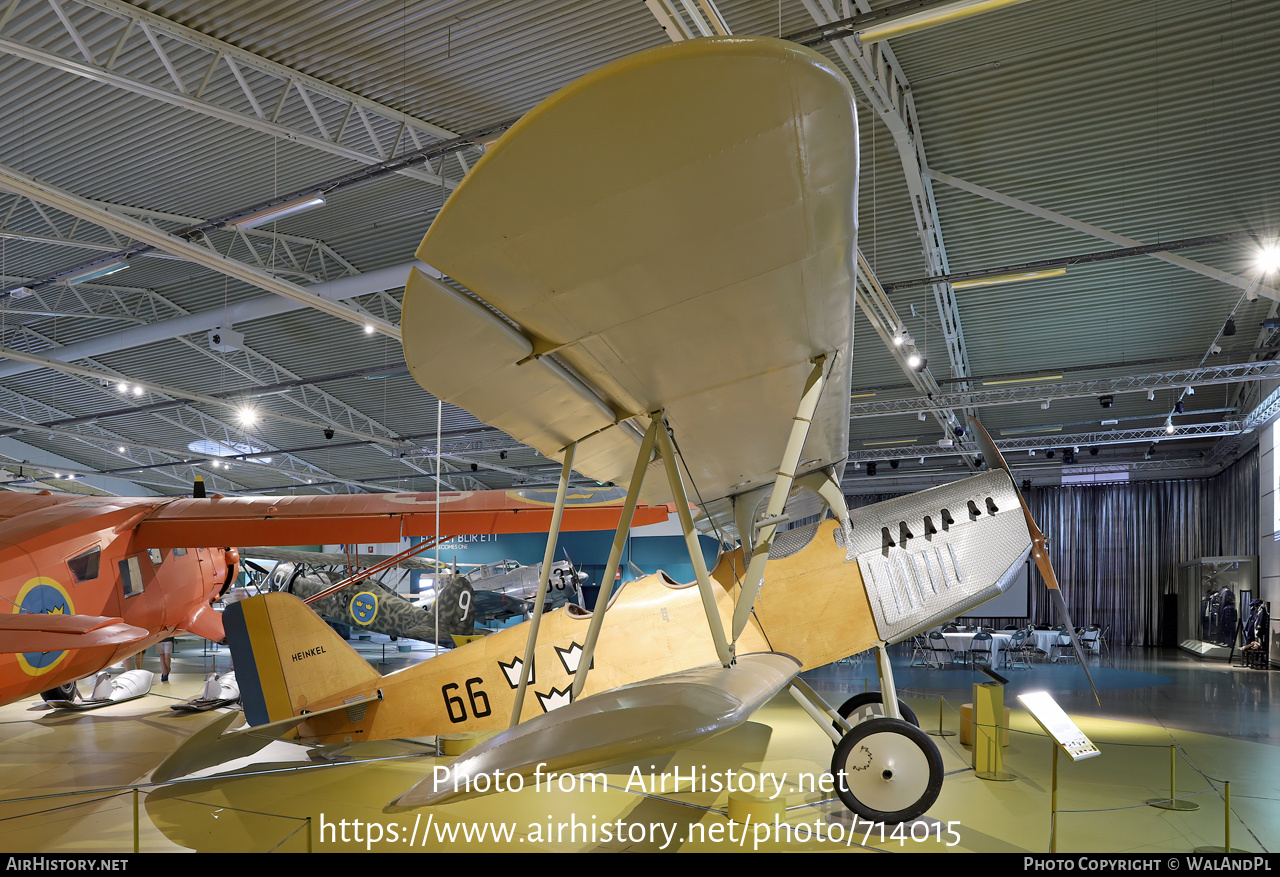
[131,576]
[155,555]
[84,567]
[179,552]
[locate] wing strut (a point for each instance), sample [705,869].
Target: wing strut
[548,556]
[723,651]
[615,554]
[360,575]
[778,499]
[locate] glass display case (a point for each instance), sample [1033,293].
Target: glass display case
[1214,594]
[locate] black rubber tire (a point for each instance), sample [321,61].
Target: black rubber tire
[66,691]
[872,700]
[895,768]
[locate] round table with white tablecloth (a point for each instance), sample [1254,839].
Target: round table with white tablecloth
[963,642]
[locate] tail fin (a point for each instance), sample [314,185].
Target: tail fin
[287,657]
[457,607]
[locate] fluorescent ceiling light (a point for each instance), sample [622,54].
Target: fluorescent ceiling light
[930,17]
[890,442]
[1024,430]
[96,270]
[1022,380]
[861,395]
[280,211]
[1007,278]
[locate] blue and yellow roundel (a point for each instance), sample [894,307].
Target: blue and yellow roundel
[42,596]
[364,607]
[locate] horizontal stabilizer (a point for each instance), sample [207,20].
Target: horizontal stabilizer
[32,632]
[209,746]
[645,718]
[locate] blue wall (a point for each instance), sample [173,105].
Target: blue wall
[589,552]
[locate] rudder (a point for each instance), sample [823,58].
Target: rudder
[287,658]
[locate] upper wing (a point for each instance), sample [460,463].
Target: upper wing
[315,520]
[675,230]
[322,558]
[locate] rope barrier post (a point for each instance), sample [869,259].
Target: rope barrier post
[310,830]
[1226,818]
[1172,802]
[1053,802]
[135,822]
[940,732]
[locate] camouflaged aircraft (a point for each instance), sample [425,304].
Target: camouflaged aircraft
[372,606]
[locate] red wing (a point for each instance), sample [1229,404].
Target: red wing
[320,520]
[28,632]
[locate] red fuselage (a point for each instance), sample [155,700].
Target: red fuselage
[79,555]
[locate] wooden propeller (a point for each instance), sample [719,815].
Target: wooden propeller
[1039,551]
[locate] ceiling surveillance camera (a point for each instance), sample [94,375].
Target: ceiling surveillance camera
[328,433]
[1106,401]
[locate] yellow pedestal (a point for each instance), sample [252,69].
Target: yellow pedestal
[966,725]
[756,807]
[988,748]
[456,744]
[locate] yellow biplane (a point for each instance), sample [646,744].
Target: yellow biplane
[660,261]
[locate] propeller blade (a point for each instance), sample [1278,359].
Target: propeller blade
[1039,551]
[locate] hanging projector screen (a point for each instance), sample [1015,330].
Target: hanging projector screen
[1013,603]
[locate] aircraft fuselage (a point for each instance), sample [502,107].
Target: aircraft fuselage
[78,555]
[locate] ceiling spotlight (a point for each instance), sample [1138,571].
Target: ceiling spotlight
[921,416]
[1031,453]
[916,362]
[502,455]
[1026,483]
[871,468]
[1068,456]
[1151,395]
[1106,401]
[328,433]
[137,391]
[1215,349]
[475,467]
[1093,452]
[1049,453]
[893,464]
[1169,428]
[123,386]
[1191,391]
[247,415]
[959,431]
[1268,259]
[1178,407]
[120,449]
[368,328]
[1151,449]
[1229,328]
[1044,406]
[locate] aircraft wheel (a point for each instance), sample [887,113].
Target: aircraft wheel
[887,770]
[66,691]
[870,705]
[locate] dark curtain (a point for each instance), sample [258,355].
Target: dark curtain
[1116,548]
